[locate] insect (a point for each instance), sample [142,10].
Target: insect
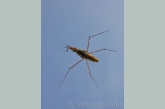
[84,54]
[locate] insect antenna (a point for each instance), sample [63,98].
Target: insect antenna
[66,47]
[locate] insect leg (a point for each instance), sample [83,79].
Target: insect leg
[93,36]
[69,69]
[90,73]
[102,49]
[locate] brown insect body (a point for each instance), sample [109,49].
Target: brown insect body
[84,54]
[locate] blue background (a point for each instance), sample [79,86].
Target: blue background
[72,22]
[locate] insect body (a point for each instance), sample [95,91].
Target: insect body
[84,54]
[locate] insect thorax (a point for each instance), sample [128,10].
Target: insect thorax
[82,53]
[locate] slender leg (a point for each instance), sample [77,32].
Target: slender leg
[69,69]
[90,73]
[102,49]
[93,36]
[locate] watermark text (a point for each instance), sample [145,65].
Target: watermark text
[71,104]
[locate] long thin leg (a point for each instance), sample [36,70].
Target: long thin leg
[90,73]
[69,69]
[93,36]
[102,49]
